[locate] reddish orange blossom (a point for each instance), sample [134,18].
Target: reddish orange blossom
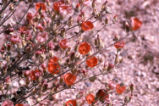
[66,8]
[53,65]
[19,105]
[57,5]
[90,98]
[135,23]
[120,88]
[34,74]
[54,59]
[84,48]
[69,79]
[87,25]
[40,5]
[63,43]
[71,103]
[92,62]
[23,29]
[53,68]
[119,44]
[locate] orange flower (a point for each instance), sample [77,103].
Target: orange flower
[53,68]
[60,5]
[54,59]
[53,65]
[71,103]
[135,23]
[65,7]
[87,25]
[19,105]
[92,61]
[40,5]
[119,44]
[90,98]
[120,88]
[56,5]
[62,44]
[23,29]
[34,74]
[84,48]
[69,79]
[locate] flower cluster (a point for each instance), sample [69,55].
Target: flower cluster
[53,48]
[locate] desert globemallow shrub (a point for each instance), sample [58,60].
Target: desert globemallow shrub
[56,45]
